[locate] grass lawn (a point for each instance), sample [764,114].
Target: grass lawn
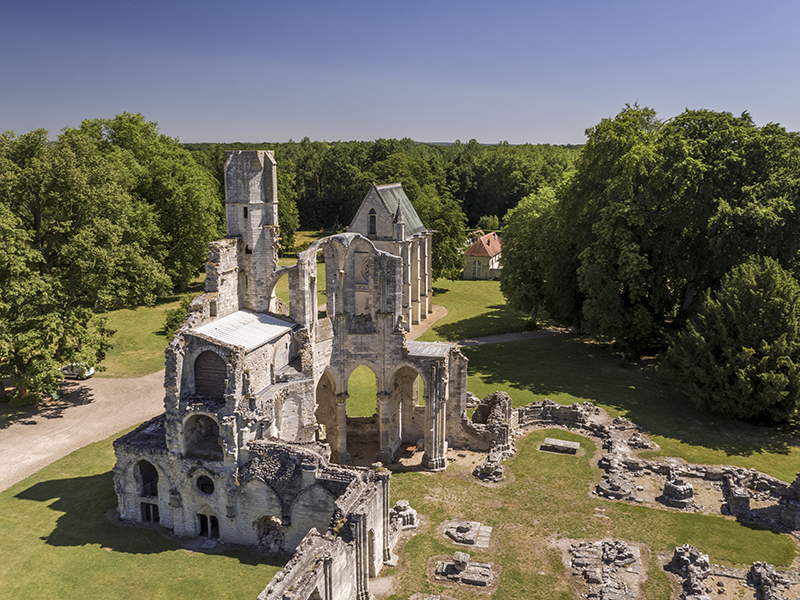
[58,543]
[570,369]
[547,497]
[139,342]
[474,309]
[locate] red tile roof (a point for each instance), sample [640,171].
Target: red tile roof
[488,245]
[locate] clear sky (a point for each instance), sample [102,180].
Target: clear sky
[433,70]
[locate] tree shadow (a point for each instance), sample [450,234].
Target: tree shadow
[577,366]
[71,393]
[494,320]
[85,503]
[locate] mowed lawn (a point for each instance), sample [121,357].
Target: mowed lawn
[59,543]
[547,497]
[568,369]
[474,309]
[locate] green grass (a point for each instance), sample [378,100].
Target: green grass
[547,497]
[362,390]
[570,369]
[58,543]
[474,309]
[139,341]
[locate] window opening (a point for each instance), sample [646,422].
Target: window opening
[205,485]
[245,212]
[149,478]
[373,222]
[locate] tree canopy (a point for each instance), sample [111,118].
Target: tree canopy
[739,355]
[654,215]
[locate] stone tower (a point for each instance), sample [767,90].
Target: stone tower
[251,203]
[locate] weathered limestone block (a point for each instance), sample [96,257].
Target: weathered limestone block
[678,493]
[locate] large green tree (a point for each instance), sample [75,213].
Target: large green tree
[740,354]
[183,195]
[72,240]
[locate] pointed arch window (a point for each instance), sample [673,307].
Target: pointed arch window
[373,222]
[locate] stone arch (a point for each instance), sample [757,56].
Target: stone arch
[146,475]
[210,375]
[201,437]
[360,389]
[269,533]
[313,507]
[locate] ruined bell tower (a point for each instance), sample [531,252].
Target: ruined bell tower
[251,203]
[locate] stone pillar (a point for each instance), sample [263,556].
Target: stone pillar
[342,455]
[435,448]
[359,525]
[415,282]
[384,426]
[386,509]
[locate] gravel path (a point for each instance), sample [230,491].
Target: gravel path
[95,409]
[88,411]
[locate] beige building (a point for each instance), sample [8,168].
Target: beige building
[482,259]
[254,445]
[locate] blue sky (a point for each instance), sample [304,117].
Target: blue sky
[539,72]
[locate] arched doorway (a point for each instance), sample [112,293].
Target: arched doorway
[363,423]
[269,530]
[148,477]
[407,402]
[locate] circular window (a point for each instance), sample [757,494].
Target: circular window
[205,485]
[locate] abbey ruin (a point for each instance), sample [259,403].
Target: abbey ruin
[252,448]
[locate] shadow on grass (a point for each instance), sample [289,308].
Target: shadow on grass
[71,393]
[577,367]
[85,503]
[496,319]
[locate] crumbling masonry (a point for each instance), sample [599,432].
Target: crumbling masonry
[253,445]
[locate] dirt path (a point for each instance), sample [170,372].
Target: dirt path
[87,412]
[512,337]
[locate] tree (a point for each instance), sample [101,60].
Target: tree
[183,196]
[740,354]
[489,222]
[616,272]
[72,240]
[522,278]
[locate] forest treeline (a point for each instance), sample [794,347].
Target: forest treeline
[115,214]
[451,186]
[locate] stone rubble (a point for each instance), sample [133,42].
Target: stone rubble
[462,570]
[600,563]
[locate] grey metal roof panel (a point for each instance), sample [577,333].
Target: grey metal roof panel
[429,349]
[245,329]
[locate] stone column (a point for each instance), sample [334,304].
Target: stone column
[384,426]
[435,420]
[386,509]
[359,524]
[342,455]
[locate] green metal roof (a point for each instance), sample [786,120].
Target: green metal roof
[392,196]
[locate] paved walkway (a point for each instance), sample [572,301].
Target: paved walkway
[95,409]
